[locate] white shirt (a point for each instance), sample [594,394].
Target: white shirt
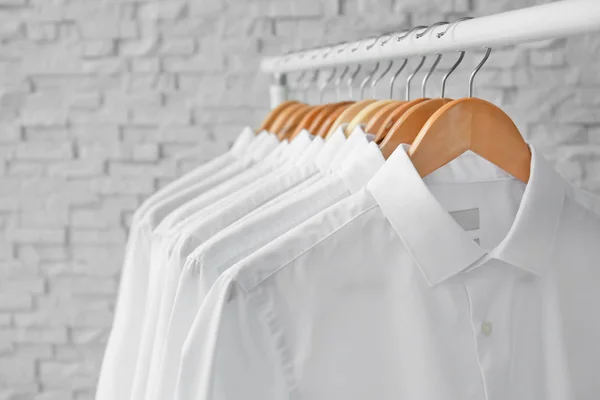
[387,295]
[274,176]
[227,247]
[274,161]
[245,140]
[121,352]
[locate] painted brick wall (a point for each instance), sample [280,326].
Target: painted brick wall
[97,97]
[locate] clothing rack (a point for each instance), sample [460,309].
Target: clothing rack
[543,22]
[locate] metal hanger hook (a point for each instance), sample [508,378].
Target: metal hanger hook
[352,78]
[393,80]
[377,79]
[370,46]
[324,85]
[338,82]
[426,31]
[431,70]
[313,81]
[411,76]
[410,32]
[299,86]
[367,79]
[454,23]
[445,78]
[472,77]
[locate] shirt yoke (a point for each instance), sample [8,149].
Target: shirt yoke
[264,263]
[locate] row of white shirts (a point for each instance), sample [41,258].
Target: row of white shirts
[316,270]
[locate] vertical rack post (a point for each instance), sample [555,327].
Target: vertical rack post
[278,89]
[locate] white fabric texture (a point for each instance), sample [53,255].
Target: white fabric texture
[160,263]
[118,363]
[274,177]
[393,294]
[236,242]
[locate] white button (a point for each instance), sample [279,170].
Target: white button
[486,328]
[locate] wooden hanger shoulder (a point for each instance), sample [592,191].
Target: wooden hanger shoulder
[348,114]
[284,116]
[392,117]
[476,125]
[366,113]
[273,114]
[379,117]
[307,120]
[408,126]
[330,120]
[322,116]
[292,122]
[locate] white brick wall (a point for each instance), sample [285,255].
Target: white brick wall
[97,96]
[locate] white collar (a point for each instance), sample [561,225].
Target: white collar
[331,148]
[243,141]
[439,245]
[358,138]
[360,166]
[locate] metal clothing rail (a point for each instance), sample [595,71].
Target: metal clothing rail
[543,22]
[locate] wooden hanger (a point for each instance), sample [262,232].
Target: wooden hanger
[395,114]
[330,119]
[375,122]
[365,115]
[347,115]
[471,124]
[409,124]
[392,117]
[284,115]
[273,114]
[307,120]
[476,125]
[352,111]
[327,111]
[292,122]
[379,118]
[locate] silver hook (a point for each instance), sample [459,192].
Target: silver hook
[370,46]
[298,86]
[312,82]
[377,79]
[393,80]
[406,34]
[445,78]
[389,37]
[439,35]
[351,79]
[324,85]
[367,79]
[411,76]
[472,77]
[338,82]
[345,44]
[431,70]
[426,31]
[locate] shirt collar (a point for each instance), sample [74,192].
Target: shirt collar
[331,148]
[312,151]
[361,166]
[357,139]
[439,246]
[243,141]
[298,145]
[272,149]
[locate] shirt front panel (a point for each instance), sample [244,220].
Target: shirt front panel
[118,366]
[493,330]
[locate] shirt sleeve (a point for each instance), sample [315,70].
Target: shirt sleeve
[229,353]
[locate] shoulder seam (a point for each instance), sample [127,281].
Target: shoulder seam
[249,289]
